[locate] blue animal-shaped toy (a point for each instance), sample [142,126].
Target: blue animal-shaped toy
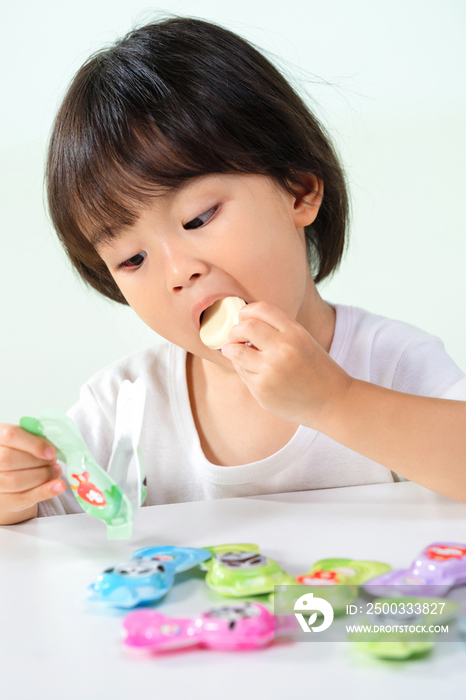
[144,578]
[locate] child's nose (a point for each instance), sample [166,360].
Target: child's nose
[178,288]
[183,272]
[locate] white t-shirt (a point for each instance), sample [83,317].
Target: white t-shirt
[375,349]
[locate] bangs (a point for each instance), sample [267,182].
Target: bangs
[108,178]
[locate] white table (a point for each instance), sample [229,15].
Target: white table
[54,646]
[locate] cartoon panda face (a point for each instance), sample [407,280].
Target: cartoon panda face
[234,613]
[135,568]
[241,560]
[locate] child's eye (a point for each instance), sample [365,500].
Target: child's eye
[201,220]
[134,262]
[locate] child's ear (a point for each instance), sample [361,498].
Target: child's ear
[308,198]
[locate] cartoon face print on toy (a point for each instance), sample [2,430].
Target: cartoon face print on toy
[444,552]
[232,614]
[241,570]
[144,578]
[88,491]
[137,567]
[320,578]
[241,626]
[329,572]
[435,570]
[241,560]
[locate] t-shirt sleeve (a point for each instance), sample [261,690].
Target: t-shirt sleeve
[425,369]
[457,392]
[96,427]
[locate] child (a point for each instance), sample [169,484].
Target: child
[183,169]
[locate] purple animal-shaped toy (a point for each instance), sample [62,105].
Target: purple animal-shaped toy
[439,567]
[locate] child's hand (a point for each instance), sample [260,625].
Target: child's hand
[28,473]
[286,371]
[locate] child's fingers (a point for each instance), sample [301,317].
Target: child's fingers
[252,330]
[243,357]
[11,460]
[268,313]
[18,439]
[13,502]
[25,479]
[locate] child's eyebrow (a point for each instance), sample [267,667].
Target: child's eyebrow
[104,237]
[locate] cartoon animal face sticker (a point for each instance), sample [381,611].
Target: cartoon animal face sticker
[88,491]
[319,578]
[240,570]
[241,560]
[141,566]
[444,552]
[326,577]
[135,568]
[234,612]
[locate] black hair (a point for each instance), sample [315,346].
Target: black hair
[170,101]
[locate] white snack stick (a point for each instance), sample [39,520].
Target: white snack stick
[218,320]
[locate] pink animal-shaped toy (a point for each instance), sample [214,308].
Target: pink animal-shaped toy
[236,626]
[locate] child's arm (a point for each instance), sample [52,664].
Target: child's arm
[423,439]
[28,474]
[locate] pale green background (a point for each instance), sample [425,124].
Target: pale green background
[395,101]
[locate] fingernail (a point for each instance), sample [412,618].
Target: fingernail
[57,469]
[58,487]
[49,452]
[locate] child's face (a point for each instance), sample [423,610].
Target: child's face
[218,236]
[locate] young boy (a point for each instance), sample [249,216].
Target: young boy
[184,169]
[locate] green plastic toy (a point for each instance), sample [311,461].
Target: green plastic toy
[395,649]
[113,495]
[410,642]
[335,580]
[240,570]
[339,596]
[342,571]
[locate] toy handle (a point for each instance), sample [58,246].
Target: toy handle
[95,491]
